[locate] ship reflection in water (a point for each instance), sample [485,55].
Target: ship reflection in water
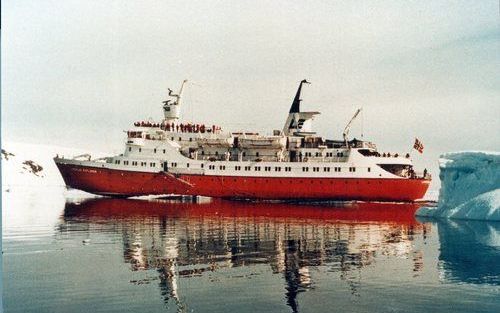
[190,239]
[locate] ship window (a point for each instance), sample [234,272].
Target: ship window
[369,169]
[190,139]
[140,149]
[305,169]
[202,165]
[129,149]
[237,168]
[202,152]
[164,151]
[187,164]
[244,154]
[172,138]
[267,168]
[288,169]
[125,162]
[222,167]
[180,139]
[256,154]
[216,152]
[277,169]
[326,169]
[352,169]
[154,150]
[318,154]
[257,168]
[247,168]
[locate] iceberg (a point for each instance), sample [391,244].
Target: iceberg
[470,187]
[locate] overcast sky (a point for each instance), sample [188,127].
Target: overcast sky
[77,73]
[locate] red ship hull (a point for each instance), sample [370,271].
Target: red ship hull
[129,183]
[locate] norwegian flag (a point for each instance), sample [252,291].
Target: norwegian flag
[418,145]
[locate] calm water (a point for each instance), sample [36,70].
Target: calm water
[68,254]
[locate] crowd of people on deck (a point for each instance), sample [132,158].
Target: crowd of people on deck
[388,155]
[181,127]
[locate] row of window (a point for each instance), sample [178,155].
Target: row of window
[278,168]
[140,150]
[328,154]
[135,163]
[180,139]
[257,154]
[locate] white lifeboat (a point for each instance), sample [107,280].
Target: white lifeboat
[262,142]
[215,142]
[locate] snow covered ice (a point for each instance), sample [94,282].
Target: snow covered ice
[30,167]
[470,187]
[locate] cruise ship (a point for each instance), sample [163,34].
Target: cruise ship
[195,159]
